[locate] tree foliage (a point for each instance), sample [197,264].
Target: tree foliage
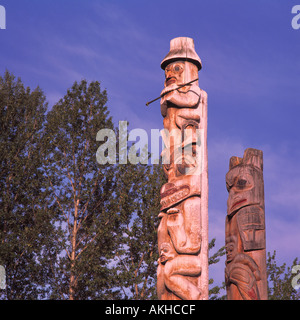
[24,203]
[280,280]
[83,192]
[215,292]
[137,254]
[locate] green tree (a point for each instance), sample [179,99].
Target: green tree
[280,280]
[87,196]
[25,214]
[137,254]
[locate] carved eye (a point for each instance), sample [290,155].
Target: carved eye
[241,184]
[177,68]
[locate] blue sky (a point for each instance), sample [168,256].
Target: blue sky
[251,72]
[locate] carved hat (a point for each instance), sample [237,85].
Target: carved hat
[182,48]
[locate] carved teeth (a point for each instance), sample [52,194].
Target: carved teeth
[173,210]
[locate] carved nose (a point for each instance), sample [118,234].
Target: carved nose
[169,74]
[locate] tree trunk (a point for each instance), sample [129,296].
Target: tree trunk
[72,286]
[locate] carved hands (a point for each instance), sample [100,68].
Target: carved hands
[186,97]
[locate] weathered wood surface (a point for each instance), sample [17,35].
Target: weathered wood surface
[183,230]
[245,241]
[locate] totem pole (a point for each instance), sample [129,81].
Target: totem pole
[245,240]
[182,272]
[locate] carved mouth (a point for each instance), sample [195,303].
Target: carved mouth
[170,81]
[173,210]
[163,259]
[237,203]
[229,257]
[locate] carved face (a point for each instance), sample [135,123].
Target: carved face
[174,73]
[231,248]
[244,186]
[166,252]
[180,72]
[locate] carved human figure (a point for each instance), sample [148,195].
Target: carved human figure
[181,240]
[245,271]
[241,273]
[179,244]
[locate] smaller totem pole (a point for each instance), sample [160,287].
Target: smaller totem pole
[245,241]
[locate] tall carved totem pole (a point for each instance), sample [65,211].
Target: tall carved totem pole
[245,240]
[183,229]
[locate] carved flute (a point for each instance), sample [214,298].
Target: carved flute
[182,85]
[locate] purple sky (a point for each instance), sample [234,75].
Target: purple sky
[251,72]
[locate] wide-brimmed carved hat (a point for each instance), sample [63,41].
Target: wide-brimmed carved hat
[182,48]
